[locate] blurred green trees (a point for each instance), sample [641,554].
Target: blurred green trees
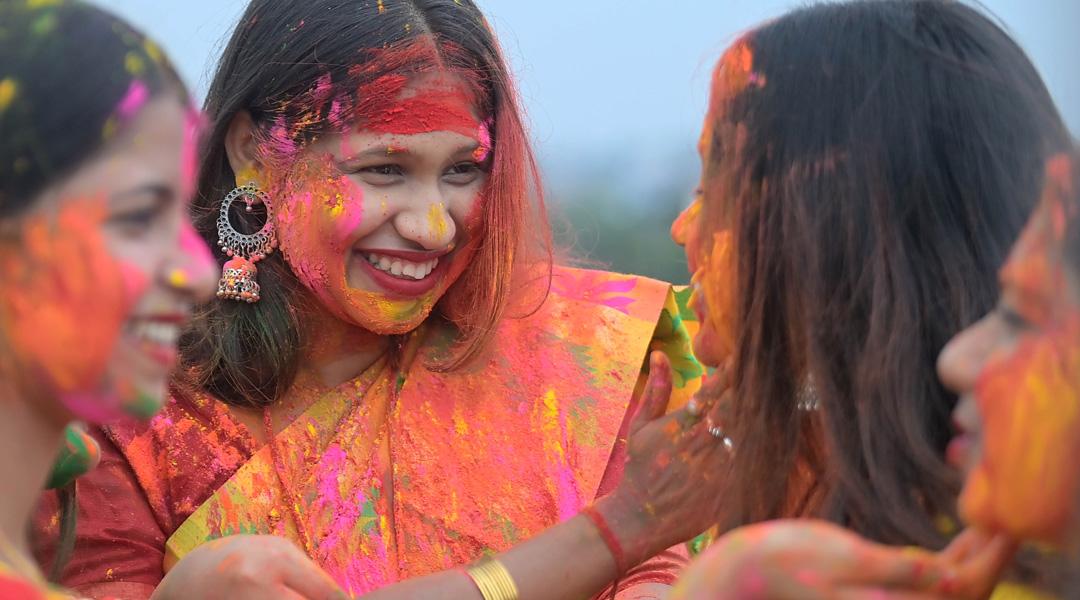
[598,226]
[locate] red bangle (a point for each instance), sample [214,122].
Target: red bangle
[609,538]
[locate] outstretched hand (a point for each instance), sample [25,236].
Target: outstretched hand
[248,567]
[672,484]
[807,560]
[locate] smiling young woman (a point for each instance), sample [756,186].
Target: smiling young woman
[409,384]
[99,264]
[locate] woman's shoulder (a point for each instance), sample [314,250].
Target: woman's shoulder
[184,452]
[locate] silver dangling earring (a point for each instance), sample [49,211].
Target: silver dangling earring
[238,275]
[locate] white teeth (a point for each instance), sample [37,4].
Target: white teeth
[165,334]
[400,267]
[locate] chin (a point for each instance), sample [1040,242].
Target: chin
[707,350]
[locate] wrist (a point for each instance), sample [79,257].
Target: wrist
[631,526]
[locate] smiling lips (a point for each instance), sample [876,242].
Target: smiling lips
[400,267]
[404,273]
[157,336]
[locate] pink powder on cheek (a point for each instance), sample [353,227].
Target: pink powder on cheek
[346,209]
[93,407]
[198,264]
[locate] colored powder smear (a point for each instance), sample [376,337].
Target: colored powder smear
[1029,398]
[402,91]
[62,273]
[713,279]
[134,99]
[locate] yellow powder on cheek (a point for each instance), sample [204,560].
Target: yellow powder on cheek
[716,278]
[1030,406]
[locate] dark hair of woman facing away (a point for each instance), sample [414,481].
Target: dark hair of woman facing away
[64,68]
[874,170]
[288,64]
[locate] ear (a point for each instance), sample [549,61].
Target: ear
[240,146]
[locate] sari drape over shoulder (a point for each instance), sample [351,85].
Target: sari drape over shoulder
[406,471]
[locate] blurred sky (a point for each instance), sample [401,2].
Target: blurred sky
[599,75]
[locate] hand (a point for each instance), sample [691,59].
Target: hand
[976,561]
[242,567]
[671,487]
[807,560]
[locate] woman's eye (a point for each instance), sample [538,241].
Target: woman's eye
[463,173]
[384,170]
[1014,320]
[386,174]
[137,220]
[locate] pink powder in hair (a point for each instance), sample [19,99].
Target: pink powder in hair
[134,99]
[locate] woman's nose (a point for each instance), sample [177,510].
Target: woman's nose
[428,224]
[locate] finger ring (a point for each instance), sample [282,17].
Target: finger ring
[693,407]
[718,432]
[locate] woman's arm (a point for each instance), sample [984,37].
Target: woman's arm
[660,502]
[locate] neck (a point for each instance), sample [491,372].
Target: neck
[339,351]
[29,442]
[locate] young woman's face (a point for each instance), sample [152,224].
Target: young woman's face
[1018,375]
[378,222]
[100,275]
[709,246]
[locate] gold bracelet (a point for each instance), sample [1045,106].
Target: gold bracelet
[492,579]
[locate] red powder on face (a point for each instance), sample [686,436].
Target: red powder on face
[389,105]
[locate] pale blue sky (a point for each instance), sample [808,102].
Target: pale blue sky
[614,79]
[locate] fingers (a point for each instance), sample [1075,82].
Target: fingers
[311,582]
[878,593]
[962,545]
[975,575]
[907,568]
[300,574]
[713,385]
[655,398]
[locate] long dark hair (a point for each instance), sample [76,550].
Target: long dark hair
[64,68]
[875,161]
[295,66]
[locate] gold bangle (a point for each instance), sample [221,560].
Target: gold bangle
[492,579]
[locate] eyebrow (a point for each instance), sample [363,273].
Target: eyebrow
[159,191]
[392,150]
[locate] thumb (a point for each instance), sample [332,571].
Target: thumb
[657,394]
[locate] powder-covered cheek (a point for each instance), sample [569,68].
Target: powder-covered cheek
[64,303]
[318,219]
[1026,482]
[715,278]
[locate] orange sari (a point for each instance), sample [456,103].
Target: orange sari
[405,471]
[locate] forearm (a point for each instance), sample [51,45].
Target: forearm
[568,561]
